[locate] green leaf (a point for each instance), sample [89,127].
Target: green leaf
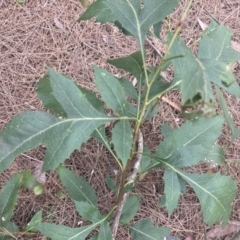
[78,189]
[128,88]
[88,211]
[137,20]
[61,136]
[197,74]
[111,183]
[56,232]
[29,181]
[144,230]
[216,155]
[216,194]
[99,10]
[130,209]
[157,29]
[172,190]
[112,93]
[236,134]
[132,64]
[152,110]
[105,232]
[8,198]
[85,3]
[45,93]
[33,224]
[216,44]
[227,116]
[190,143]
[122,140]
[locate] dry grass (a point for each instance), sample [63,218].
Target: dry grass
[45,32]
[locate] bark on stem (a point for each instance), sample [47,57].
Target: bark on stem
[130,178]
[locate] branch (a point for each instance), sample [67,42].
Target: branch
[130,178]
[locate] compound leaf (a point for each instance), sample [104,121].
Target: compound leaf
[130,209]
[78,189]
[8,198]
[144,230]
[112,93]
[122,140]
[128,88]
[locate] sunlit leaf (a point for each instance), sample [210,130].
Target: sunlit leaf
[78,189]
[122,138]
[130,209]
[144,230]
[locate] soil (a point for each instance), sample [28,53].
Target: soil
[43,33]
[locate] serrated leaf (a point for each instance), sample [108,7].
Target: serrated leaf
[28,180]
[197,74]
[88,211]
[137,20]
[216,194]
[190,143]
[216,44]
[56,232]
[99,10]
[130,209]
[144,230]
[172,190]
[32,226]
[8,198]
[78,189]
[112,93]
[61,136]
[132,64]
[105,232]
[44,92]
[122,140]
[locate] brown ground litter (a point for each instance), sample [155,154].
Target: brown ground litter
[45,33]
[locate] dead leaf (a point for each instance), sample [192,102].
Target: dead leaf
[38,174]
[218,232]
